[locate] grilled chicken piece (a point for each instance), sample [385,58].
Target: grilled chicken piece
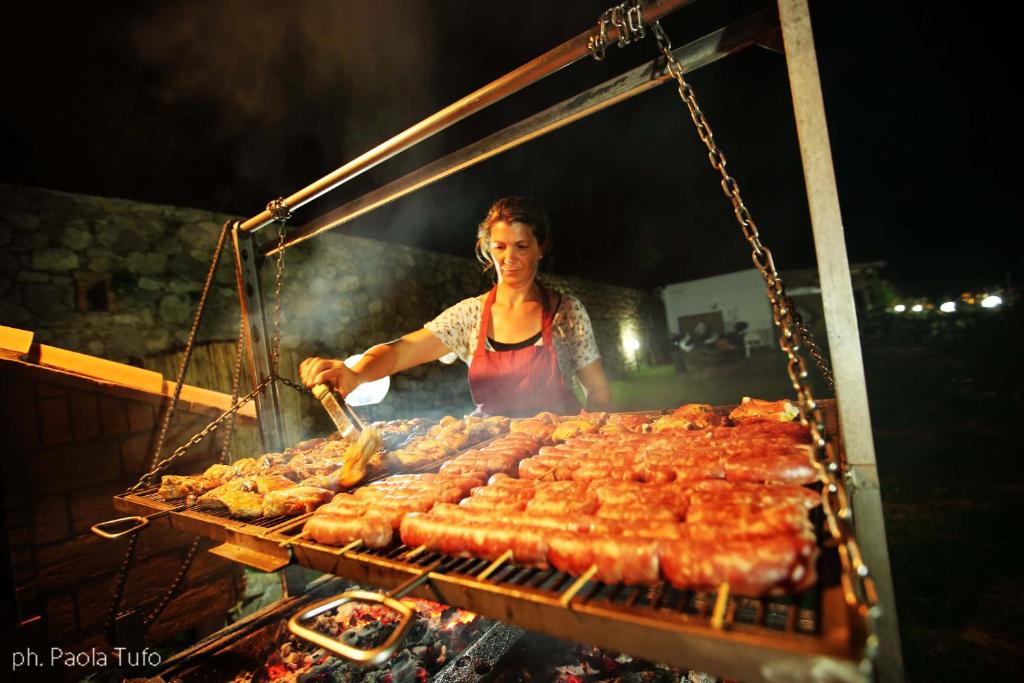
[286,471]
[272,482]
[331,481]
[758,410]
[250,467]
[689,416]
[625,423]
[534,427]
[174,487]
[245,504]
[211,500]
[294,500]
[218,471]
[238,496]
[574,427]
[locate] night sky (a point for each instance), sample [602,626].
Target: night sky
[223,105]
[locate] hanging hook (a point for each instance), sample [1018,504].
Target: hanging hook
[627,17]
[599,42]
[279,210]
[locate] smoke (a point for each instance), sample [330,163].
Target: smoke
[304,78]
[248,56]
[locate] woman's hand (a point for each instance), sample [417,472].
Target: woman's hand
[315,371]
[382,360]
[599,395]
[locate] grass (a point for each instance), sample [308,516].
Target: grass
[657,387]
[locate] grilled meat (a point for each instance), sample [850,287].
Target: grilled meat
[374,530]
[294,500]
[758,410]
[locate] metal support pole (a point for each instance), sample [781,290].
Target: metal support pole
[841,320]
[257,338]
[701,52]
[512,82]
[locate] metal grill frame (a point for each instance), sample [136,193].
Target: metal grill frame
[616,617]
[790,634]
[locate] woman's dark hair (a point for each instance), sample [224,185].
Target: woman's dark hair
[525,210]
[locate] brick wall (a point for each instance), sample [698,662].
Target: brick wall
[69,445]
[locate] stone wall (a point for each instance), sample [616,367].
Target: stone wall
[64,254]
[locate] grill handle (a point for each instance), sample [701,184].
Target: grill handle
[372,656]
[138,523]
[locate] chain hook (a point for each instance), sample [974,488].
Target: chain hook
[627,17]
[794,339]
[599,42]
[619,22]
[279,210]
[635,20]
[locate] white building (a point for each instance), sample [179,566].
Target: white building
[722,301]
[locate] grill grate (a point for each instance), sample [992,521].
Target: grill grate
[265,522]
[785,614]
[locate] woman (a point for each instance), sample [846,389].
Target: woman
[522,342]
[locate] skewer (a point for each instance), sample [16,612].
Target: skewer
[351,546]
[294,539]
[493,566]
[291,524]
[721,602]
[414,552]
[577,586]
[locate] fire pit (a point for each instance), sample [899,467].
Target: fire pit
[538,657]
[438,632]
[444,645]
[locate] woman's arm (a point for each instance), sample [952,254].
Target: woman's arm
[415,348]
[599,396]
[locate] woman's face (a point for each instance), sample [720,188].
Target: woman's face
[514,252]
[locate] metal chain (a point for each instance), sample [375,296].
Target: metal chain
[858,583]
[236,384]
[186,359]
[294,385]
[275,344]
[807,341]
[281,214]
[148,477]
[179,381]
[172,590]
[627,17]
[110,627]
[225,450]
[761,256]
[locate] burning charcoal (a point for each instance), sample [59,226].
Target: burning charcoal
[419,633]
[405,668]
[368,635]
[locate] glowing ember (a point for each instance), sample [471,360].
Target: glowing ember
[437,632]
[459,618]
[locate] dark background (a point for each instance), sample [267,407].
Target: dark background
[225,105]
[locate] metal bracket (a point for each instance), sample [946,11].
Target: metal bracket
[251,558]
[861,477]
[257,337]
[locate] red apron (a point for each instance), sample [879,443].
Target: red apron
[520,382]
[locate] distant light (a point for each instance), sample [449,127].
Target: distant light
[632,344]
[991,301]
[899,308]
[917,308]
[948,307]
